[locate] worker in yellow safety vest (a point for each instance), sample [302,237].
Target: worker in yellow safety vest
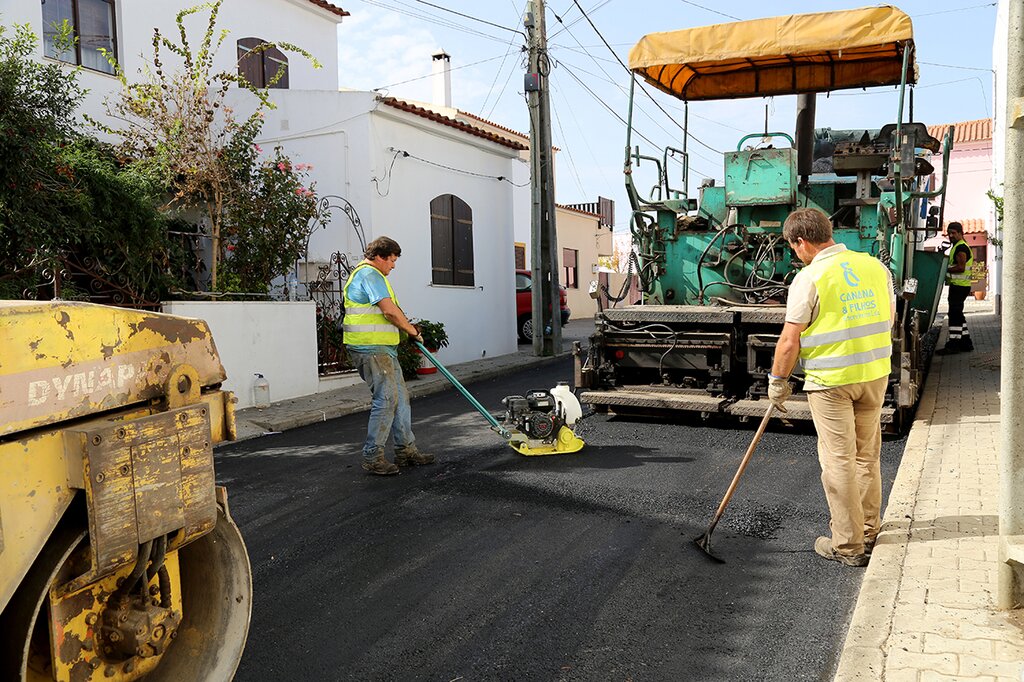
[839,317]
[372,329]
[959,277]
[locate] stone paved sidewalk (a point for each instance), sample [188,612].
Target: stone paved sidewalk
[926,609]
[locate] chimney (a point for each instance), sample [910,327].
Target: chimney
[442,78]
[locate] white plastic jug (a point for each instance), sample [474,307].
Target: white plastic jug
[260,392]
[564,397]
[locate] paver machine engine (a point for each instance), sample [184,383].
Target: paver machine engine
[118,556]
[714,272]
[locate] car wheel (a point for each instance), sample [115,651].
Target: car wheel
[525,328]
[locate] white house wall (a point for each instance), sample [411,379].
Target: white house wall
[480,320]
[293,21]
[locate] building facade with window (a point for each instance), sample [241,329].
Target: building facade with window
[124,29]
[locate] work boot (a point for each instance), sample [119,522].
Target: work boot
[823,548]
[869,546]
[379,466]
[405,458]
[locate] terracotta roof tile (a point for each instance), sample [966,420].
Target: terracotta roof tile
[964,131]
[452,123]
[333,9]
[492,123]
[971,225]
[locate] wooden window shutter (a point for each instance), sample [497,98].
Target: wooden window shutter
[274,60]
[520,256]
[441,260]
[463,242]
[250,64]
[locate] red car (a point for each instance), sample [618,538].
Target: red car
[524,305]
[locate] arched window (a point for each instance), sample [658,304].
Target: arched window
[451,241]
[261,66]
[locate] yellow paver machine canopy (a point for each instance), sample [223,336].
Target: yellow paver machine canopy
[799,53]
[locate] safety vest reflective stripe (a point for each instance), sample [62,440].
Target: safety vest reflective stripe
[848,360]
[850,339]
[968,276]
[366,325]
[844,334]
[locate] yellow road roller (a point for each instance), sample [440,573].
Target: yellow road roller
[118,556]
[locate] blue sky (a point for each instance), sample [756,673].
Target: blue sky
[388,44]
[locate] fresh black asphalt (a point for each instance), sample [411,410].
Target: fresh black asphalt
[493,566]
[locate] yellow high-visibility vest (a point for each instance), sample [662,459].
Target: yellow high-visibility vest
[961,279]
[850,341]
[365,325]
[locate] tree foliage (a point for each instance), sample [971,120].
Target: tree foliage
[178,124]
[65,200]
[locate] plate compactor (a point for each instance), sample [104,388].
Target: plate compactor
[539,423]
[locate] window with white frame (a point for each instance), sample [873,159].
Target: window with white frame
[92,28]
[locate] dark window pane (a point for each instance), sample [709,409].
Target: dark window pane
[95,33]
[55,13]
[442,269]
[463,240]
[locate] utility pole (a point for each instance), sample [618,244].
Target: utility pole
[1011,408]
[547,317]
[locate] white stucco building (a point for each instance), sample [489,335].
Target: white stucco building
[441,186]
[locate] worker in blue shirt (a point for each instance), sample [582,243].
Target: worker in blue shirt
[372,329]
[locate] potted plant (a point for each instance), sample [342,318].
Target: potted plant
[434,339]
[434,336]
[409,357]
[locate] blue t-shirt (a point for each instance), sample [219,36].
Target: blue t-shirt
[368,288]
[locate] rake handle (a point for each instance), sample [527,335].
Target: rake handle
[742,467]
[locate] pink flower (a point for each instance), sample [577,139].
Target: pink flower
[230,247]
[301,191]
[259,150]
[281,167]
[303,166]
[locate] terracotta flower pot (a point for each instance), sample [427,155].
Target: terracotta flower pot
[979,295]
[426,367]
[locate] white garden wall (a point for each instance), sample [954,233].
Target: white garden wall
[278,340]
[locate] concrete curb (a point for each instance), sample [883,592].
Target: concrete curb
[865,650]
[341,402]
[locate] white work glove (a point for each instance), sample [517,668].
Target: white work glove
[779,389]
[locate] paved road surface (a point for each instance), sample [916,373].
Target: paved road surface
[493,566]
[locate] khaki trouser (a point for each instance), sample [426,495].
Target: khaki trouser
[849,425]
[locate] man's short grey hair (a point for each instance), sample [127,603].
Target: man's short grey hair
[809,224]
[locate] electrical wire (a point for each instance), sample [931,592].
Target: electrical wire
[454,68]
[957,9]
[713,11]
[572,162]
[405,154]
[642,88]
[435,20]
[497,74]
[468,16]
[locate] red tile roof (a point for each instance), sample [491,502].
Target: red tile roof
[333,9]
[452,123]
[964,131]
[496,125]
[971,225]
